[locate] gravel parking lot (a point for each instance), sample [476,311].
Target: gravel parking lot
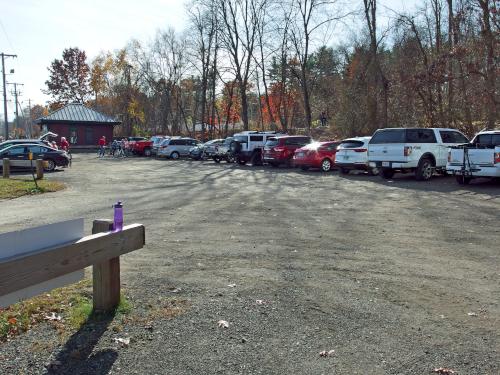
[397,277]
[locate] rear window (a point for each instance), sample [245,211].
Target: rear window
[330,146]
[420,136]
[450,136]
[388,136]
[351,144]
[271,142]
[488,140]
[298,141]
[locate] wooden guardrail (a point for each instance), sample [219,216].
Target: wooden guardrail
[100,250]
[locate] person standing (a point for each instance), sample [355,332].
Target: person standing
[64,144]
[102,145]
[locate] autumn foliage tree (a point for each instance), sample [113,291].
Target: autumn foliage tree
[69,78]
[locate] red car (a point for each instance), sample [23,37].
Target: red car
[280,150]
[141,147]
[316,155]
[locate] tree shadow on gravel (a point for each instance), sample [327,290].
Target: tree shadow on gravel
[76,356]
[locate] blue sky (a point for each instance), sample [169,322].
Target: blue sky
[38,31]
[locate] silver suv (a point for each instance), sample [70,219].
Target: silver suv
[174,148]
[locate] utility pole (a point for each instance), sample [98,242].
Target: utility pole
[29,125]
[5,116]
[16,100]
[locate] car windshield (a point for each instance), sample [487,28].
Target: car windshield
[228,141]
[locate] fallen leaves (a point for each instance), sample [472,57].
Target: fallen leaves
[472,314]
[444,371]
[222,324]
[231,285]
[329,353]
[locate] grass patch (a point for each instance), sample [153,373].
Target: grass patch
[64,308]
[14,188]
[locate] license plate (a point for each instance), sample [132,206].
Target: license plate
[300,155]
[386,164]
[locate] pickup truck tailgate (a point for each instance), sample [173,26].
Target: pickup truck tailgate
[386,152]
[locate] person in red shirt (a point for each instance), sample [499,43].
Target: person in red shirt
[64,144]
[102,144]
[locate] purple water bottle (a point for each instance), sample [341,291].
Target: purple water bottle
[118,217]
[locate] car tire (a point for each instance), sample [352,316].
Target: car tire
[51,165]
[386,173]
[304,168]
[344,170]
[216,159]
[326,165]
[240,161]
[463,180]
[425,169]
[147,152]
[174,155]
[373,171]
[230,159]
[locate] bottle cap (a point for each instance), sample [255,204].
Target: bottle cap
[118,204]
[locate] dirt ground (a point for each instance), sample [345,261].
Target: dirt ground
[397,277]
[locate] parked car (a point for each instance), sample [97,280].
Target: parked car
[19,156]
[352,154]
[205,150]
[211,147]
[42,140]
[480,158]
[174,148]
[316,155]
[143,147]
[157,140]
[408,150]
[251,146]
[280,150]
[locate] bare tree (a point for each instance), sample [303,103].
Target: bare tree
[240,19]
[310,16]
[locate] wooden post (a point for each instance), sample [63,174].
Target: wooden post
[6,168]
[39,169]
[106,275]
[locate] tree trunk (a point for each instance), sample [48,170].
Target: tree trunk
[490,84]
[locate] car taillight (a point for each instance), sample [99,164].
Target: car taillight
[407,151]
[360,150]
[497,157]
[279,149]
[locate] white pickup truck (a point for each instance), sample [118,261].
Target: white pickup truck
[406,150]
[480,158]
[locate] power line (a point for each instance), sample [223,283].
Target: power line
[7,36]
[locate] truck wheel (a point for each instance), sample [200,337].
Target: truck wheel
[424,170]
[256,159]
[216,159]
[463,180]
[386,173]
[174,155]
[373,171]
[241,161]
[147,152]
